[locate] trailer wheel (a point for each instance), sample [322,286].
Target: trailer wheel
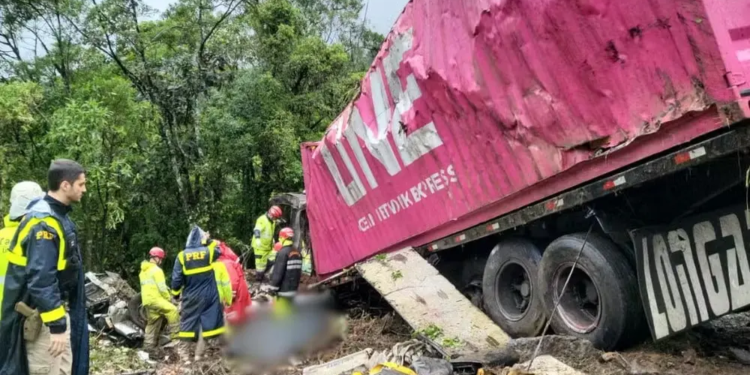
[511,290]
[601,302]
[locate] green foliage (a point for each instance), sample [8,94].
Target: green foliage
[452,342]
[432,332]
[106,358]
[195,116]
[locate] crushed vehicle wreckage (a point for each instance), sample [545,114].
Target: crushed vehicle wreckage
[114,309]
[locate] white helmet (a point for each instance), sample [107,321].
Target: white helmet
[21,195]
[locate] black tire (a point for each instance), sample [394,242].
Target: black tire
[136,311]
[601,302]
[510,288]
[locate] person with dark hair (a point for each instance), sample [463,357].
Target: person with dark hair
[45,271]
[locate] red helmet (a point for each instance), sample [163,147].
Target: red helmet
[277,246]
[157,252]
[274,212]
[286,233]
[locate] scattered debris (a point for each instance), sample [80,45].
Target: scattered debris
[545,365]
[341,365]
[375,334]
[617,357]
[689,355]
[106,358]
[108,302]
[741,355]
[403,353]
[432,366]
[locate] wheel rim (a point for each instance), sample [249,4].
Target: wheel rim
[580,307]
[514,291]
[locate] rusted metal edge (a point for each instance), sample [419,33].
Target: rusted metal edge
[689,156]
[344,276]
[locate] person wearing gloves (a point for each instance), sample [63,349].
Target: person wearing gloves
[262,240]
[194,282]
[287,269]
[21,195]
[156,299]
[45,271]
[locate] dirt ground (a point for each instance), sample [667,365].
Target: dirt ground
[711,349]
[719,347]
[715,348]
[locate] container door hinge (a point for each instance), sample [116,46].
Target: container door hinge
[734,79]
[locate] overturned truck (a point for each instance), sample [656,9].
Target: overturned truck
[503,138]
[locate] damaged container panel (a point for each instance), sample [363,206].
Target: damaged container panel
[473,109]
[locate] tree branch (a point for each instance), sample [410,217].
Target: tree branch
[232,6]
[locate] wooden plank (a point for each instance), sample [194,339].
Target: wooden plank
[426,300]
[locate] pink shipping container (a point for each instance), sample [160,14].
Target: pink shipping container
[476,108]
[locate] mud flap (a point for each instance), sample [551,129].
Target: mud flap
[431,305]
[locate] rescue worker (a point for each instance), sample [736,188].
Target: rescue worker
[240,294]
[272,256]
[45,271]
[223,284]
[156,299]
[193,280]
[262,240]
[287,269]
[20,196]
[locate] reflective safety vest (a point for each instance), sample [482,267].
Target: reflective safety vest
[153,285]
[266,227]
[17,254]
[67,276]
[223,283]
[6,236]
[197,260]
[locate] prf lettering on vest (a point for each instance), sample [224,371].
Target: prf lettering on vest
[198,255]
[411,146]
[43,235]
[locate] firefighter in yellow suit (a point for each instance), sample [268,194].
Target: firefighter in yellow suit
[156,299]
[262,241]
[20,196]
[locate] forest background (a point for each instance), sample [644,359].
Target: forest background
[191,116]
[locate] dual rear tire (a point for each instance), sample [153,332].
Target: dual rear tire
[600,303]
